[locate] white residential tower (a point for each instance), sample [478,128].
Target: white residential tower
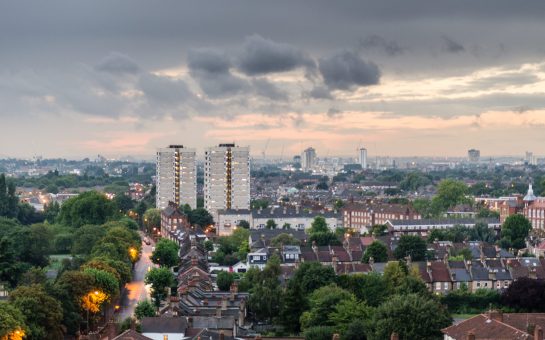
[176,176]
[226,178]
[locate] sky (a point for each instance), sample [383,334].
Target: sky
[401,78]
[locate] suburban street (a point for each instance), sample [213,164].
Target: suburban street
[136,290]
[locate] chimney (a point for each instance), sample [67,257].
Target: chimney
[470,335]
[189,322]
[498,251]
[371,261]
[336,336]
[224,303]
[538,333]
[492,274]
[495,314]
[394,336]
[222,335]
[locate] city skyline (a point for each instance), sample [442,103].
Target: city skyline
[86,79]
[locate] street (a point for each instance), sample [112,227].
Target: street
[136,290]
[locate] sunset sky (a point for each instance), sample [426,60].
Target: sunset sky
[402,78]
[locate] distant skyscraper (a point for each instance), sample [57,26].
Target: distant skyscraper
[176,176]
[474,155]
[308,159]
[363,158]
[530,159]
[226,178]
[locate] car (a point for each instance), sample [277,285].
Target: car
[152,248]
[147,241]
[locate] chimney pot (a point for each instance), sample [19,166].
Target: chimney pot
[394,336]
[538,333]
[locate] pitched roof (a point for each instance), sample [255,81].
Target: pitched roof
[439,272]
[163,325]
[130,334]
[485,328]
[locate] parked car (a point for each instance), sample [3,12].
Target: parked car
[147,241]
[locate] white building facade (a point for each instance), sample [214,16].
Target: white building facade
[226,178]
[308,159]
[176,176]
[363,158]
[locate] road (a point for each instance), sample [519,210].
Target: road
[136,290]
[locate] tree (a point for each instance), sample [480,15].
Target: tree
[43,314]
[144,309]
[395,272]
[322,303]
[104,281]
[411,245]
[322,186]
[259,204]
[271,224]
[11,268]
[166,253]
[356,330]
[243,224]
[70,289]
[12,322]
[412,317]
[525,294]
[265,292]
[306,279]
[89,207]
[86,237]
[152,219]
[481,232]
[324,239]
[224,280]
[51,211]
[201,217]
[450,193]
[514,231]
[32,244]
[123,202]
[319,333]
[377,250]
[160,279]
[209,245]
[284,239]
[372,288]
[319,225]
[348,310]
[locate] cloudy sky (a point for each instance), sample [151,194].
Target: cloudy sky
[402,78]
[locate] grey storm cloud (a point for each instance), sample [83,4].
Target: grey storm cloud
[450,45]
[347,70]
[391,48]
[164,90]
[319,92]
[262,56]
[208,61]
[118,63]
[265,88]
[211,70]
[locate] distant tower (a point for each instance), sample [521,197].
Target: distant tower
[363,158]
[308,159]
[474,155]
[530,159]
[176,176]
